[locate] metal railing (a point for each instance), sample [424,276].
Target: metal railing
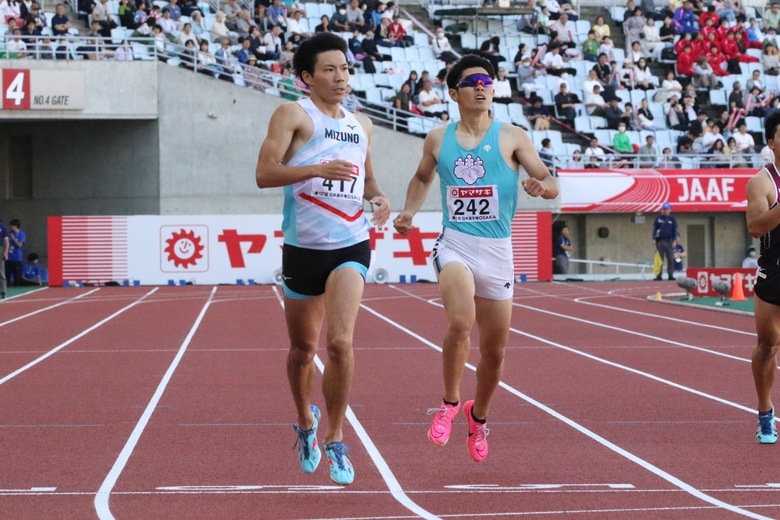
[601,270]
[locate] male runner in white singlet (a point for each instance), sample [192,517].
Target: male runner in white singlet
[477,160]
[320,153]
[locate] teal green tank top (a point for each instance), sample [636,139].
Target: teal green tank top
[478,188]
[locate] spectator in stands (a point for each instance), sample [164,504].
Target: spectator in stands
[273,43]
[613,113]
[186,35]
[339,20]
[724,11]
[703,75]
[175,10]
[685,62]
[575,162]
[649,10]
[15,46]
[370,49]
[717,61]
[651,43]
[491,51]
[565,103]
[634,27]
[424,76]
[547,154]
[756,104]
[538,114]
[526,76]
[93,49]
[244,23]
[374,18]
[675,118]
[594,154]
[771,18]
[441,77]
[277,15]
[30,32]
[441,47]
[385,38]
[206,62]
[668,161]
[557,8]
[669,87]
[219,30]
[101,15]
[10,9]
[59,22]
[296,32]
[601,29]
[622,144]
[351,101]
[645,118]
[756,81]
[590,48]
[355,17]
[745,144]
[604,75]
[643,76]
[625,75]
[412,82]
[717,155]
[46,50]
[608,48]
[566,31]
[684,19]
[544,20]
[126,14]
[595,105]
[771,61]
[429,102]
[324,25]
[286,56]
[708,139]
[553,63]
[243,54]
[140,15]
[648,153]
[168,25]
[502,90]
[403,98]
[287,88]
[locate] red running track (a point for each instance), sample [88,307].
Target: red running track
[172,402]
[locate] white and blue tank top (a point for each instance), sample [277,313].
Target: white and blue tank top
[320,213]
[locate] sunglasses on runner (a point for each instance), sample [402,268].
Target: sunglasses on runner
[476,79]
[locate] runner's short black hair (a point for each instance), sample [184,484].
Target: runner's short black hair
[468,62]
[770,125]
[306,56]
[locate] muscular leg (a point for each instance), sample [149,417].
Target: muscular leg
[304,320]
[343,292]
[457,290]
[764,360]
[493,318]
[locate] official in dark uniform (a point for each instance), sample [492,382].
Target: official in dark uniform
[665,238]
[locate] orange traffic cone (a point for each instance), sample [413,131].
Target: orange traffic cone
[737,294]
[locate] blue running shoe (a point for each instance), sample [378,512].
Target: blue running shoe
[341,471]
[767,431]
[308,450]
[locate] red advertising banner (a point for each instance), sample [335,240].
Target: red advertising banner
[644,190]
[705,278]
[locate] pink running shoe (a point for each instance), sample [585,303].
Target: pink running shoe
[477,439]
[439,432]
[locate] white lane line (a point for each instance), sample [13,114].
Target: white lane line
[633,332]
[9,298]
[50,307]
[387,474]
[104,493]
[581,300]
[75,338]
[596,437]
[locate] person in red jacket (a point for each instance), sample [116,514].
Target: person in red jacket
[709,27]
[731,50]
[698,47]
[712,39]
[684,40]
[709,14]
[716,60]
[723,29]
[685,62]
